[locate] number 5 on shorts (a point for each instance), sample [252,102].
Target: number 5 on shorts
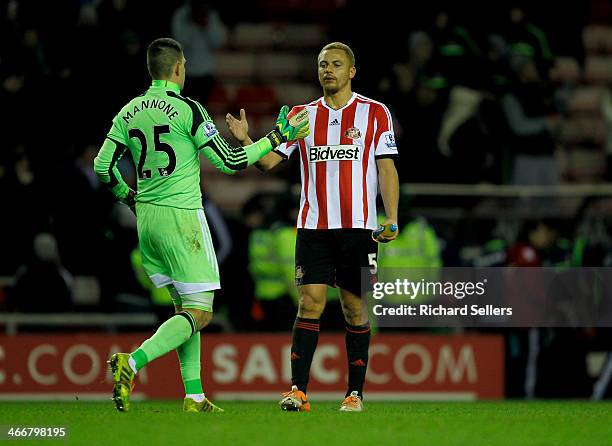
[372,262]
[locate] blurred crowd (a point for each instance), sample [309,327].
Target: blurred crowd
[473,101]
[485,100]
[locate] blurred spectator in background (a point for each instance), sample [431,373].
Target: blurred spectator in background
[13,93]
[117,15]
[473,137]
[417,246]
[200,29]
[42,285]
[161,301]
[496,67]
[82,225]
[458,60]
[272,306]
[403,76]
[223,238]
[33,56]
[534,122]
[540,243]
[537,354]
[456,55]
[285,234]
[130,55]
[417,98]
[421,110]
[527,40]
[24,210]
[221,235]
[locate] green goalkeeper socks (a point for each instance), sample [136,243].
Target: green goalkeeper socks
[189,357]
[175,333]
[170,335]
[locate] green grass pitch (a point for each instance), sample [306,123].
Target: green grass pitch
[432,424]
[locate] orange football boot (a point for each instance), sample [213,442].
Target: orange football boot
[352,403]
[295,401]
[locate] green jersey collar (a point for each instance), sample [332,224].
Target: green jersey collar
[168,85]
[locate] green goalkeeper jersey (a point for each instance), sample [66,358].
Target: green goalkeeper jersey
[164,133]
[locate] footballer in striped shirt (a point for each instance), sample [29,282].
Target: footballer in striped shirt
[348,154]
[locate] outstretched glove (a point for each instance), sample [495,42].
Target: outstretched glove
[289,128]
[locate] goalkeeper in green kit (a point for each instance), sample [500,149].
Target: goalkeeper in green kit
[165,132]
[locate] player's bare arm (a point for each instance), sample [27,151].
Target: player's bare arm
[230,160]
[240,130]
[389,190]
[269,161]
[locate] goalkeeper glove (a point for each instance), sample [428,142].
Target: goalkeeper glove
[383,231]
[289,128]
[130,200]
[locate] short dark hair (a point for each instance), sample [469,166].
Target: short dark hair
[162,54]
[343,47]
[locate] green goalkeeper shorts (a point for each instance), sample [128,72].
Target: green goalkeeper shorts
[177,248]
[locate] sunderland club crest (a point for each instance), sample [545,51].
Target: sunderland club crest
[353,133]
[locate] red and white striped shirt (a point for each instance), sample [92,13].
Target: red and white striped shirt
[338,162]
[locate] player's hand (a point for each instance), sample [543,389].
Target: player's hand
[386,232]
[130,200]
[238,127]
[289,126]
